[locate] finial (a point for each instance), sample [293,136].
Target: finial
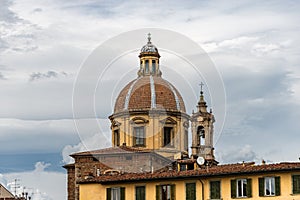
[201,85]
[149,38]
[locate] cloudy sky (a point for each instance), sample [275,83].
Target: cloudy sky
[254,45]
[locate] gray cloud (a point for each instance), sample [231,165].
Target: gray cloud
[36,136]
[2,77]
[5,13]
[38,75]
[16,34]
[47,75]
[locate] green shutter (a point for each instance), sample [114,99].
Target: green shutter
[158,192]
[140,193]
[277,186]
[215,190]
[296,184]
[190,191]
[108,193]
[249,187]
[233,188]
[122,190]
[143,193]
[261,186]
[173,192]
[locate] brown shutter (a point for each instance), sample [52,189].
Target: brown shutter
[261,186]
[249,187]
[277,185]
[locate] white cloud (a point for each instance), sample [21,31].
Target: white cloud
[3,181]
[238,154]
[40,184]
[40,166]
[97,141]
[265,48]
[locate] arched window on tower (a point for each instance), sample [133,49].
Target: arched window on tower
[147,66]
[200,135]
[153,67]
[117,137]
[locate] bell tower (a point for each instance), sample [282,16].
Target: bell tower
[202,132]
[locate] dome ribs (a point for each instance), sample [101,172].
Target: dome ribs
[140,96]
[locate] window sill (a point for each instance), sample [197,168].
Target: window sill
[169,147]
[295,194]
[270,196]
[139,145]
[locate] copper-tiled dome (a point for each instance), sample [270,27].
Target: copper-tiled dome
[149,92]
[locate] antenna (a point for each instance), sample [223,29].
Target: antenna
[15,186]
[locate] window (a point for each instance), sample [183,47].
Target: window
[182,167]
[168,136]
[139,136]
[117,137]
[215,189]
[153,67]
[147,66]
[140,193]
[165,192]
[117,193]
[269,186]
[241,188]
[296,184]
[190,191]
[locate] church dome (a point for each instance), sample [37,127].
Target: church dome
[149,47]
[149,92]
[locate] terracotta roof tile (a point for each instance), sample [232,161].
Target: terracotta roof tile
[166,95]
[230,169]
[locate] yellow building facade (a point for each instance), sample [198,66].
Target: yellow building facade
[274,181]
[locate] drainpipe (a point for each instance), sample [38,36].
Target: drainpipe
[202,188]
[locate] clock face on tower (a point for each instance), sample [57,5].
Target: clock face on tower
[200,119]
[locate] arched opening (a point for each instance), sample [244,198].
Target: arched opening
[116,138]
[153,67]
[200,135]
[147,66]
